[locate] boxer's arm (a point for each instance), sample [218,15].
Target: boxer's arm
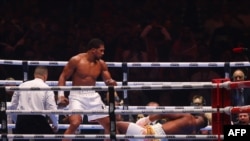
[68,70]
[107,76]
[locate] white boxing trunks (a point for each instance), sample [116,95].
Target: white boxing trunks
[155,129]
[134,129]
[86,100]
[158,129]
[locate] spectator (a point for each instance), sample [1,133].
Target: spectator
[133,52]
[185,47]
[204,74]
[241,96]
[199,100]
[156,37]
[243,119]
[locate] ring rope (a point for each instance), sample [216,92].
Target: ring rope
[227,110]
[132,64]
[164,107]
[99,83]
[91,126]
[105,136]
[122,112]
[87,126]
[105,88]
[227,85]
[145,107]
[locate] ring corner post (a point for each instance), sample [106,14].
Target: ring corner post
[220,99]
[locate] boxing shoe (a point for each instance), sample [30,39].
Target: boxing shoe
[143,121]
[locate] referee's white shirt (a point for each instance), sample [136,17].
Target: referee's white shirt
[35,100]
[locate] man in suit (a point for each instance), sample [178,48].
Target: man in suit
[241,96]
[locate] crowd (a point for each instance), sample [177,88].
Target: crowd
[36,30]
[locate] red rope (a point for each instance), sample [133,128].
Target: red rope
[240,84]
[241,109]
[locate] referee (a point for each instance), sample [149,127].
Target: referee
[35,100]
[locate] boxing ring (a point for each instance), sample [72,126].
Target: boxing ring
[220,108]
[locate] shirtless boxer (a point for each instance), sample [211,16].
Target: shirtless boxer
[176,124]
[84,69]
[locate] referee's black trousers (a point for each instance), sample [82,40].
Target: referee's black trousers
[33,124]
